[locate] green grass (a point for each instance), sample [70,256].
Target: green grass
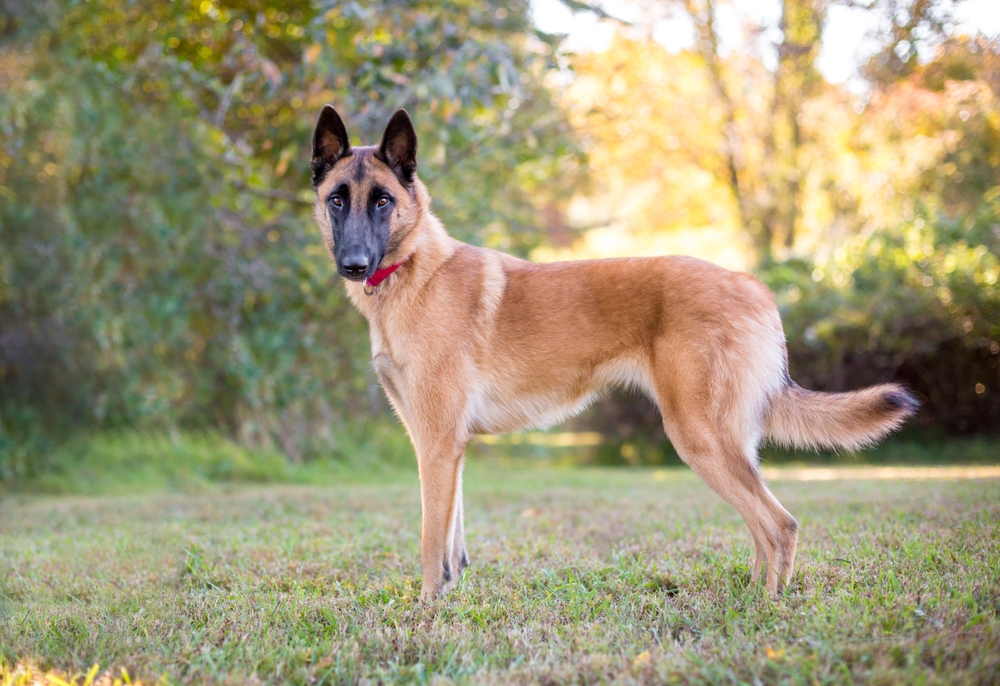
[578,575]
[147,462]
[136,461]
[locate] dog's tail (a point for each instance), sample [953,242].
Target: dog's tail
[810,419]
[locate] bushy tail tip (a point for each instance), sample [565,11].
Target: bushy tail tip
[811,419]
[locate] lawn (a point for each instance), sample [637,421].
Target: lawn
[578,575]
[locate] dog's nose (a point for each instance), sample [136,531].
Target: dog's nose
[355,264]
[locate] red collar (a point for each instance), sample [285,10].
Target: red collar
[381,275]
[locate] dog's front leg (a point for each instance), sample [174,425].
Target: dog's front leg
[440,463]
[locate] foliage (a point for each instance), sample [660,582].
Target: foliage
[778,160]
[159,270]
[706,137]
[159,266]
[638,576]
[141,287]
[918,303]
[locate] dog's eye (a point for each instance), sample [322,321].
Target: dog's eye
[383,201]
[337,201]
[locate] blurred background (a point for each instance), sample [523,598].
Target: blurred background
[166,304]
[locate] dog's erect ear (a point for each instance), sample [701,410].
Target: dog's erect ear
[329,143]
[399,146]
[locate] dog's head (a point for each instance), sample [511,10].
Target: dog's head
[368,199]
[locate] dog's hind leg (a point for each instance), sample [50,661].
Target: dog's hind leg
[717,453]
[730,474]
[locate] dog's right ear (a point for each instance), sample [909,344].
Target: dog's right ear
[329,143]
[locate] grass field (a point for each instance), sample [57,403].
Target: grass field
[578,575]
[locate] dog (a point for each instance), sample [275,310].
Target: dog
[468,341]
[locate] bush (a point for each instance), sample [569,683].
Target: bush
[917,303]
[159,268]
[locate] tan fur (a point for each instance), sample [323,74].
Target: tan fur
[469,341]
[855,420]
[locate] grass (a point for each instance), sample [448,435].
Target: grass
[145,462]
[578,575]
[136,461]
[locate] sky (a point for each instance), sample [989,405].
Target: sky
[847,41]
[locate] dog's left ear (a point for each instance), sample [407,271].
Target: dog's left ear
[399,146]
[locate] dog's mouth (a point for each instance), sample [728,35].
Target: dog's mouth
[354,277]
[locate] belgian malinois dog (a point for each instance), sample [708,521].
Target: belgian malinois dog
[468,341]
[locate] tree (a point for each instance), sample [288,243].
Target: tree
[158,264]
[732,117]
[769,197]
